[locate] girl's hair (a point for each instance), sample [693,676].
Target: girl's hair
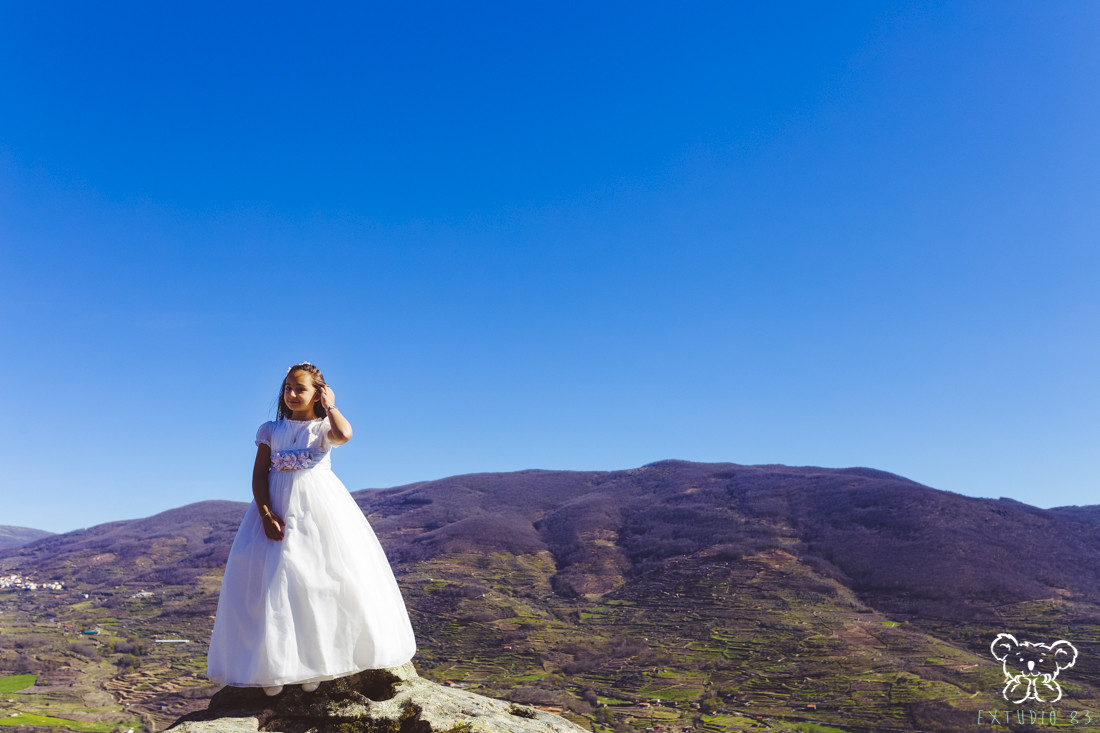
[318,383]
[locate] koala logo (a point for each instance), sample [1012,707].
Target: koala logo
[1031,669]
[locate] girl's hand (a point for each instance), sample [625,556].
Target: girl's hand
[328,397]
[274,527]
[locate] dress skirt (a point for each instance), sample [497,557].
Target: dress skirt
[320,604]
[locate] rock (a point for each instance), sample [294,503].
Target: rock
[393,700]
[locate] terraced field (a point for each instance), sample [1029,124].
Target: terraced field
[761,645]
[115,679]
[765,644]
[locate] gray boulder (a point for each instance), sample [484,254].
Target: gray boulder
[393,700]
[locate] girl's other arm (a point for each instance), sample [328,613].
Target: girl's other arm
[339,427]
[273,523]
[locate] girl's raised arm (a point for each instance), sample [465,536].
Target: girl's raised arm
[339,427]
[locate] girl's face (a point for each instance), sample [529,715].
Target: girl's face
[299,394]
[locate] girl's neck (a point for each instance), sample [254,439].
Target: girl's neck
[305,416]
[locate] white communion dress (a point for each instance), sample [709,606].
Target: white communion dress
[323,602]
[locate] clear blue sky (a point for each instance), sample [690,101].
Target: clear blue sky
[547,235]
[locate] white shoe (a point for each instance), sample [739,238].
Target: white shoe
[310,686]
[273,690]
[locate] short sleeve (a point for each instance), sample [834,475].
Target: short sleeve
[263,435]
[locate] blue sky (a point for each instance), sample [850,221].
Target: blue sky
[561,236]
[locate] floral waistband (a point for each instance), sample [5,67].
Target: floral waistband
[291,460]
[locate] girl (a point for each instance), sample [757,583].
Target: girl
[308,594]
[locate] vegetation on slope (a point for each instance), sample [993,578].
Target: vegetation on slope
[703,596]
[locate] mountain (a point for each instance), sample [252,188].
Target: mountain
[850,597]
[173,547]
[603,528]
[893,541]
[19,536]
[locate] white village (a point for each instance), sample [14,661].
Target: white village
[18,582]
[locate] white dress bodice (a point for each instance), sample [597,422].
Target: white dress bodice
[297,444]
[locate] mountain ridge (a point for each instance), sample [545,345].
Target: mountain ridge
[11,536]
[603,527]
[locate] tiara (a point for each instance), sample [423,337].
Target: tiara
[299,364]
